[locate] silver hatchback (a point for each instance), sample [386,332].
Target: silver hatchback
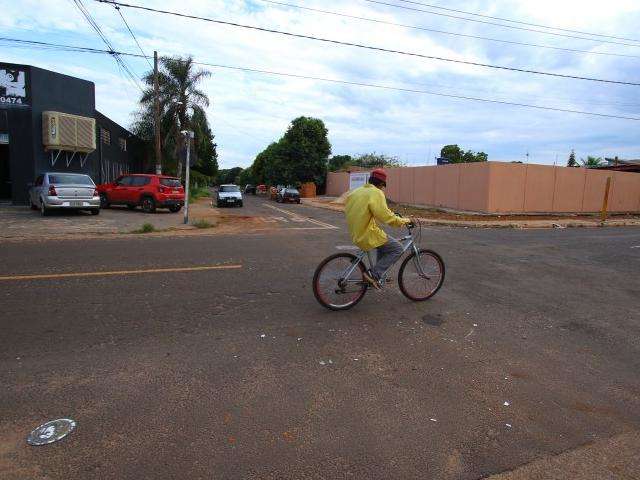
[69,191]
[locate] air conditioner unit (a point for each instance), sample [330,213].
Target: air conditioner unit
[73,133]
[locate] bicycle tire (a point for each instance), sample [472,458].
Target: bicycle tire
[316,288]
[406,261]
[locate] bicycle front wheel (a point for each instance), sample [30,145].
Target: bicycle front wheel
[421,276]
[338,286]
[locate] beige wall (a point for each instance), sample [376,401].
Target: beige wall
[496,187]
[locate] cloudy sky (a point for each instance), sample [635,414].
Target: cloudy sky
[250,110]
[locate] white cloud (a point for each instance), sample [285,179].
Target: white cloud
[250,110]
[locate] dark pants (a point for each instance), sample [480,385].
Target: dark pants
[386,255]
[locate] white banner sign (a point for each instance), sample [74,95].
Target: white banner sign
[358,179]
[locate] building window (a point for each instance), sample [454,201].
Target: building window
[123,144]
[105,136]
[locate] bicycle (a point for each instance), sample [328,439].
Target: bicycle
[339,284]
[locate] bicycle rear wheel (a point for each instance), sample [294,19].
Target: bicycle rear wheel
[420,281]
[332,288]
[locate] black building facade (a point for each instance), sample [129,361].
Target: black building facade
[37,105]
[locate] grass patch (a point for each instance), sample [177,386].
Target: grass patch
[195,193]
[146,228]
[202,223]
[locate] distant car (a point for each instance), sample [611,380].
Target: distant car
[250,189]
[64,191]
[288,195]
[147,190]
[261,188]
[228,195]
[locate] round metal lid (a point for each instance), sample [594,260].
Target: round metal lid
[51,431]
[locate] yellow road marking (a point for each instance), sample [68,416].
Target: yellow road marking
[117,272]
[308,219]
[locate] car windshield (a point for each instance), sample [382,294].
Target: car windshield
[291,190]
[229,188]
[170,182]
[71,180]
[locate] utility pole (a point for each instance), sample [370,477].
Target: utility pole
[188,135]
[156,114]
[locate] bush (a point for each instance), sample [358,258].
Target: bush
[146,228]
[202,223]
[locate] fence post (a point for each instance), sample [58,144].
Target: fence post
[605,200]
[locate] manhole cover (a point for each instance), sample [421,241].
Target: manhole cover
[51,431]
[435,320]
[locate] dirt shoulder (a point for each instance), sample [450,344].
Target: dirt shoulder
[434,216]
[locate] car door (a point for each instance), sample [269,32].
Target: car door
[136,189]
[34,192]
[120,189]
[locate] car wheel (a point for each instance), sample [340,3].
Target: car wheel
[298,201]
[33,206]
[131,206]
[95,211]
[174,208]
[44,211]
[148,205]
[104,200]
[240,204]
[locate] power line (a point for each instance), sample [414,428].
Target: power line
[368,47]
[443,32]
[133,35]
[119,61]
[502,19]
[514,27]
[330,80]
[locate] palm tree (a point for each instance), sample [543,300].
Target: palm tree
[178,82]
[591,162]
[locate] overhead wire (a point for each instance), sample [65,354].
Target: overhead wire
[444,32]
[520,22]
[513,27]
[336,81]
[135,39]
[119,61]
[368,47]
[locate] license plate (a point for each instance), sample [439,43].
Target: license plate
[75,204]
[175,190]
[232,200]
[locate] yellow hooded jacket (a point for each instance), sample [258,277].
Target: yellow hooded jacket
[364,206]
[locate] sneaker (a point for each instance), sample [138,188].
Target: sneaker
[372,281]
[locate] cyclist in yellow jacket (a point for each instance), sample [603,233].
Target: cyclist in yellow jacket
[364,206]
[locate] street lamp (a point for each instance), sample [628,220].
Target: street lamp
[188,134]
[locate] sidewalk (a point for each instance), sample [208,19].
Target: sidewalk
[491,221]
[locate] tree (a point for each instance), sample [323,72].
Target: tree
[572,160]
[229,175]
[592,162]
[338,162]
[179,95]
[455,154]
[376,160]
[205,150]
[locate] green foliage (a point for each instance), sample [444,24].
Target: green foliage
[181,108]
[146,228]
[376,160]
[456,155]
[202,223]
[246,177]
[338,162]
[592,162]
[198,192]
[229,175]
[572,160]
[301,155]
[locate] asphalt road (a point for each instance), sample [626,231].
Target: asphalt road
[217,373]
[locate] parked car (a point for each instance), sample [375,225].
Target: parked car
[149,191]
[64,191]
[261,188]
[249,189]
[228,195]
[288,195]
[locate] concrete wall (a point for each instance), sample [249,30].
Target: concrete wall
[496,187]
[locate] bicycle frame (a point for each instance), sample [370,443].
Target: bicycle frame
[407,243]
